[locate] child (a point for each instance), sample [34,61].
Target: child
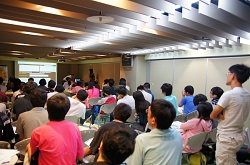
[187,100]
[215,94]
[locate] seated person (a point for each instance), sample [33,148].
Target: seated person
[108,98]
[194,126]
[59,141]
[117,144]
[215,94]
[6,130]
[121,113]
[187,100]
[243,154]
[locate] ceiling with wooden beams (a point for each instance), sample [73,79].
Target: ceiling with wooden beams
[59,29]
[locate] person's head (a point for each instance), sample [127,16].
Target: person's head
[1,80]
[80,83]
[146,85]
[216,92]
[204,109]
[140,88]
[138,96]
[105,81]
[122,81]
[38,97]
[199,98]
[68,79]
[122,112]
[51,84]
[58,106]
[21,86]
[82,95]
[59,88]
[121,90]
[118,143]
[9,85]
[161,114]
[241,73]
[111,82]
[29,86]
[189,90]
[42,82]
[30,79]
[91,85]
[106,91]
[166,89]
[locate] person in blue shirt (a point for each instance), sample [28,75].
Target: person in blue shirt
[187,100]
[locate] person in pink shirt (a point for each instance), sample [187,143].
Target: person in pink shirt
[92,92]
[79,86]
[194,126]
[59,141]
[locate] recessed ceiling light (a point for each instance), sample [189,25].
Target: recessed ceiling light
[32,33]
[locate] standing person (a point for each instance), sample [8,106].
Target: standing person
[215,94]
[59,141]
[187,100]
[147,89]
[162,145]
[233,110]
[166,89]
[146,95]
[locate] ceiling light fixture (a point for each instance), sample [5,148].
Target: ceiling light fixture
[100,19]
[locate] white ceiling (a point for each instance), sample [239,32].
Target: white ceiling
[140,27]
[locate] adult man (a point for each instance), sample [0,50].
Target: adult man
[162,145]
[59,141]
[77,108]
[23,104]
[123,97]
[146,95]
[117,144]
[34,118]
[187,100]
[233,110]
[147,89]
[121,113]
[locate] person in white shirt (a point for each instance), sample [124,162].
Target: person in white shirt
[123,97]
[146,95]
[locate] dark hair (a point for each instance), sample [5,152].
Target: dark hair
[91,85]
[105,81]
[141,105]
[118,143]
[42,82]
[167,89]
[107,90]
[122,81]
[59,88]
[204,109]
[1,80]
[121,90]
[217,91]
[241,71]
[51,84]
[189,89]
[164,112]
[9,85]
[146,85]
[80,83]
[31,79]
[140,87]
[199,98]
[38,97]
[29,86]
[21,86]
[111,82]
[58,106]
[122,112]
[68,78]
[82,95]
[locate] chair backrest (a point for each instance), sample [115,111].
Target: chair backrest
[21,146]
[108,108]
[94,100]
[73,119]
[86,135]
[181,118]
[192,115]
[4,145]
[132,117]
[212,134]
[195,142]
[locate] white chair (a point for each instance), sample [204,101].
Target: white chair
[4,145]
[87,135]
[195,143]
[94,100]
[21,147]
[73,119]
[107,109]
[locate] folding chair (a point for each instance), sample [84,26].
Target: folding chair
[73,119]
[94,100]
[21,147]
[4,145]
[195,143]
[132,117]
[192,115]
[87,135]
[107,109]
[180,118]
